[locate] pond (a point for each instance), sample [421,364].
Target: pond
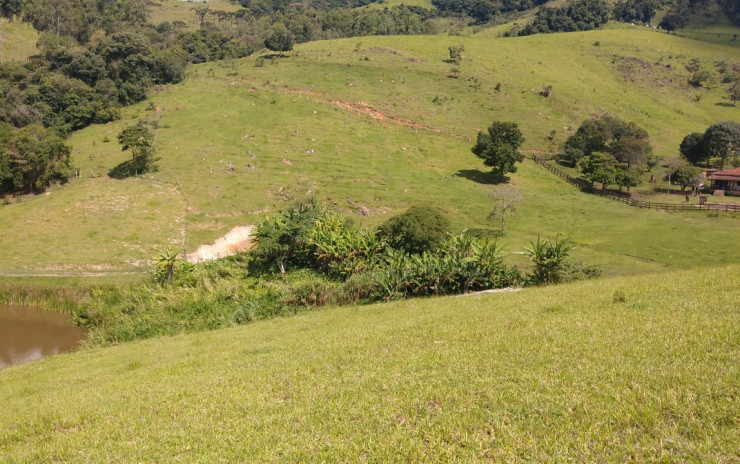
[28,334]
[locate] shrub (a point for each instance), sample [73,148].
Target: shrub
[419,229]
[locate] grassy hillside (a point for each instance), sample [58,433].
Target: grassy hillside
[179,10]
[627,369]
[374,124]
[17,40]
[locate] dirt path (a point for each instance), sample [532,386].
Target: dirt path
[237,239]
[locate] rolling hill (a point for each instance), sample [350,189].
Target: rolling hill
[371,125]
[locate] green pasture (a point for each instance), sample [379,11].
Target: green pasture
[178,10]
[625,369]
[17,40]
[371,125]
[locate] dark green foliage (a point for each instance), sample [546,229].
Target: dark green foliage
[640,11]
[625,141]
[723,140]
[694,148]
[32,158]
[419,229]
[580,15]
[280,39]
[672,21]
[499,147]
[483,11]
[209,45]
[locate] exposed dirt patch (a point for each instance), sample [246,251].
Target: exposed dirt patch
[237,239]
[366,109]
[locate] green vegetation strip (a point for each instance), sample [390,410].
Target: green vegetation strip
[626,369]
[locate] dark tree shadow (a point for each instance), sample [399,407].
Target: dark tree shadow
[122,171]
[725,104]
[132,168]
[480,177]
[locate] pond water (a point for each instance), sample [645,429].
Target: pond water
[28,334]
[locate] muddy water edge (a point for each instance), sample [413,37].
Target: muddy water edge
[28,334]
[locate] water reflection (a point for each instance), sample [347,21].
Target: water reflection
[28,334]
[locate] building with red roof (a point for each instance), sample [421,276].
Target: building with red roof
[729,181]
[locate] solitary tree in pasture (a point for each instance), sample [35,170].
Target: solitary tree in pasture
[139,138]
[498,147]
[505,198]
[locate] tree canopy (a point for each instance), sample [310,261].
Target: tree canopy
[499,147]
[625,141]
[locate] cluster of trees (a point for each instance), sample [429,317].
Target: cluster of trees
[580,15]
[31,158]
[483,11]
[609,151]
[638,11]
[720,141]
[681,11]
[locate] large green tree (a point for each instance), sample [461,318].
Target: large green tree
[139,138]
[694,148]
[499,147]
[723,140]
[280,39]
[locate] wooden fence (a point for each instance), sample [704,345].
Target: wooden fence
[585,186]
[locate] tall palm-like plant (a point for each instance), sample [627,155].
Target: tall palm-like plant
[548,257]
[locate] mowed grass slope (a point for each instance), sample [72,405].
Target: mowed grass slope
[624,369]
[371,125]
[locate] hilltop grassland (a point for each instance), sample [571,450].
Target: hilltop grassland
[371,125]
[623,369]
[17,40]
[184,11]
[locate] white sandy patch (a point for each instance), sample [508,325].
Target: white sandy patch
[238,239]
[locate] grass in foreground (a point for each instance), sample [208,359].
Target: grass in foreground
[624,369]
